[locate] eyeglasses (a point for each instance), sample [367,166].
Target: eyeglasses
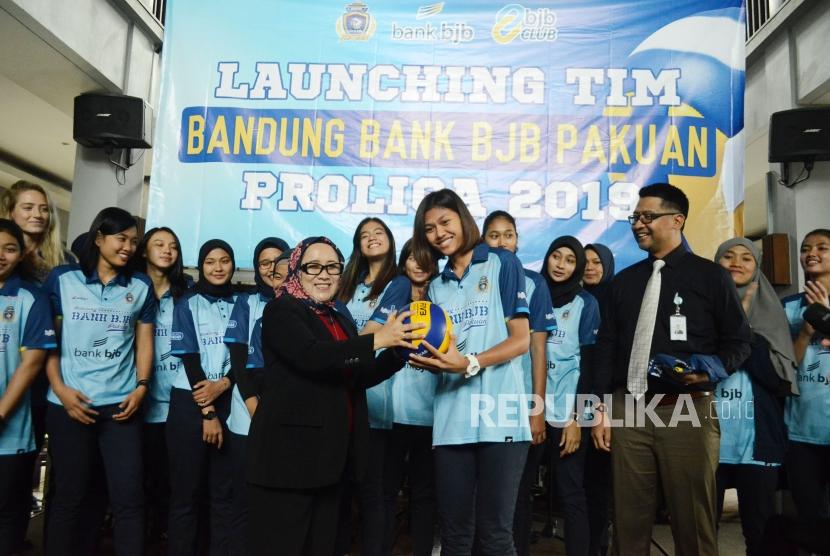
[313,269]
[648,217]
[267,263]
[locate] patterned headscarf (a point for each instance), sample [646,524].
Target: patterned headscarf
[294,287]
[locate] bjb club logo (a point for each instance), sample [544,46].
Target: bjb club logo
[514,21]
[356,23]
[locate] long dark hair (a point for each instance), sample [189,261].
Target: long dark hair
[495,215]
[358,264]
[110,221]
[448,199]
[23,268]
[176,275]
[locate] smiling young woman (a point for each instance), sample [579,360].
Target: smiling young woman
[200,405]
[105,315]
[808,415]
[479,458]
[27,333]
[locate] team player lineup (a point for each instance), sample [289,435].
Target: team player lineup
[246,422]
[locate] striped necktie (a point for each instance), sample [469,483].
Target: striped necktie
[641,347]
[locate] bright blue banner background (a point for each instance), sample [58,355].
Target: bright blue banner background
[297,118]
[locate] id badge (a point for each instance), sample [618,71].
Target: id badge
[677,325]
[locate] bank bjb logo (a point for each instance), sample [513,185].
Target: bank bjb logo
[8,314]
[514,21]
[356,23]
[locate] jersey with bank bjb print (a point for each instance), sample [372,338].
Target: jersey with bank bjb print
[25,324]
[542,317]
[98,330]
[242,329]
[577,323]
[165,366]
[394,297]
[808,415]
[199,324]
[491,406]
[736,417]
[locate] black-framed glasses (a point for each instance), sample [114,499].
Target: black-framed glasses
[313,269]
[648,217]
[265,264]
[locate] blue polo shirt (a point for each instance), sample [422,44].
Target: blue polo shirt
[26,323]
[577,323]
[808,415]
[491,292]
[199,325]
[98,330]
[542,317]
[736,417]
[394,297]
[242,329]
[165,366]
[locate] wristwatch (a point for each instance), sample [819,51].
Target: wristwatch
[209,416]
[472,367]
[143,382]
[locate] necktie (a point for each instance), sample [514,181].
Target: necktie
[641,347]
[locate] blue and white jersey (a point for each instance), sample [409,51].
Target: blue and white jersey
[394,297]
[542,317]
[165,366]
[26,324]
[199,325]
[489,407]
[242,329]
[98,330]
[736,416]
[808,415]
[577,324]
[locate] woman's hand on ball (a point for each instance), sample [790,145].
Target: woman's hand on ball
[450,362]
[396,333]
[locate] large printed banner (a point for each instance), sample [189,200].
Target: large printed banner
[297,118]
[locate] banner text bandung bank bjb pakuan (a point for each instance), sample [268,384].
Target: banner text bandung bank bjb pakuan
[294,118]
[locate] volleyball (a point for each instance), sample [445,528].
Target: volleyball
[436,329]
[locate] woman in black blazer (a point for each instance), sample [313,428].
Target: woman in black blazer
[309,433]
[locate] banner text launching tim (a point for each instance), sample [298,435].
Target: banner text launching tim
[294,118]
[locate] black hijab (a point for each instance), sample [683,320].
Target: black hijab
[264,289]
[562,293]
[606,257]
[203,286]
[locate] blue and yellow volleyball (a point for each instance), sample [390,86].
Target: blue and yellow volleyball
[436,329]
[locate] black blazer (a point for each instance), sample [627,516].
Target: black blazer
[299,435]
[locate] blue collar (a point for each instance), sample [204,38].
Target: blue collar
[11,286]
[120,278]
[214,299]
[481,253]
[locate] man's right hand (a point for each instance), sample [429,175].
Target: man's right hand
[76,405]
[601,433]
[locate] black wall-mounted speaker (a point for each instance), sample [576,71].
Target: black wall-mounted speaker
[801,134]
[117,121]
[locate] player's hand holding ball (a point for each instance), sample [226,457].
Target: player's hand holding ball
[437,351]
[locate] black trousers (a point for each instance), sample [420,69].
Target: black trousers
[238,446]
[523,518]
[569,491]
[293,522]
[409,453]
[370,493]
[156,479]
[476,487]
[199,472]
[15,500]
[598,489]
[756,486]
[75,450]
[808,474]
